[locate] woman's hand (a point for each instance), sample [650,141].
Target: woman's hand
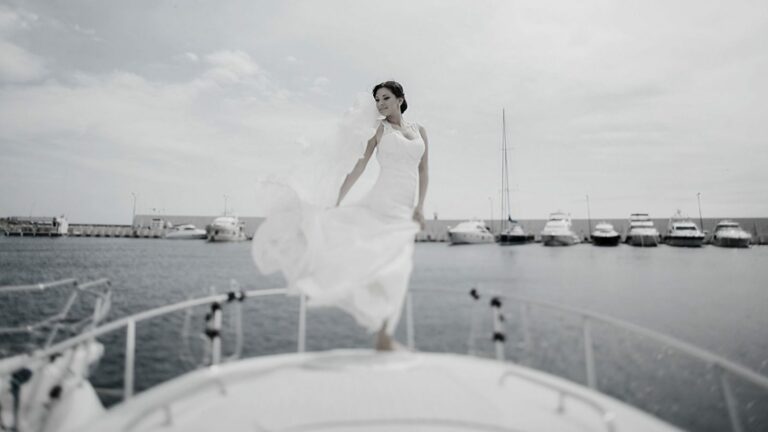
[418,217]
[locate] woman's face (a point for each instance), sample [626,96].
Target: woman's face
[386,102]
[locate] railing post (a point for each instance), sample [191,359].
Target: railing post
[525,324]
[213,331]
[589,358]
[302,337]
[498,328]
[130,359]
[730,400]
[409,333]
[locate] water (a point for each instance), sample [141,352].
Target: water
[712,297]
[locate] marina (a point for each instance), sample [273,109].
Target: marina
[436,230]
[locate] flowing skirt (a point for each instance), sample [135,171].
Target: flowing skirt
[357,257]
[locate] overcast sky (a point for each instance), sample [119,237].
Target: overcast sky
[640,104]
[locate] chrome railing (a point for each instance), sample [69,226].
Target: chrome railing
[606,416]
[725,368]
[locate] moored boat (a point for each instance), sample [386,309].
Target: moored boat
[226,229]
[185,232]
[683,232]
[558,232]
[470,232]
[641,231]
[514,234]
[511,231]
[605,235]
[730,234]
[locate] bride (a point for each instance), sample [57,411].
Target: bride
[358,256]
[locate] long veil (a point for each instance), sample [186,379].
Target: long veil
[291,200]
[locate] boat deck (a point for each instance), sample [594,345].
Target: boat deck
[368,391]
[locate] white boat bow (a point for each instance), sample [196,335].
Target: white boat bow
[341,390]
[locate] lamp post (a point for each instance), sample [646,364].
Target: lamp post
[133,219]
[490,223]
[701,220]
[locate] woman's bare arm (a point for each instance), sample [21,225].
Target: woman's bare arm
[359,167]
[418,212]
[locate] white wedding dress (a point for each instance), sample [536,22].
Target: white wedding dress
[357,256]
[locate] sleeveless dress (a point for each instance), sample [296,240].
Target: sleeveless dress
[357,256]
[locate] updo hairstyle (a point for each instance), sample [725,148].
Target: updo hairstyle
[396,89]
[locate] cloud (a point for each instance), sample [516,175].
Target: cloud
[320,85]
[232,66]
[188,56]
[14,20]
[126,128]
[18,65]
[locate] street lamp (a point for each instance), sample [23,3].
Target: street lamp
[490,223]
[701,220]
[589,219]
[133,220]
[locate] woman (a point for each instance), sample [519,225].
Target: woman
[358,256]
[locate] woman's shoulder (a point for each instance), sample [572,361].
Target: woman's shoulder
[413,124]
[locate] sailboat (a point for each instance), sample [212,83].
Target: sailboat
[511,231]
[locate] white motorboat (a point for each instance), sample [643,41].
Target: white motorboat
[226,229]
[470,232]
[514,234]
[337,390]
[683,232]
[185,232]
[641,231]
[605,235]
[557,231]
[730,234]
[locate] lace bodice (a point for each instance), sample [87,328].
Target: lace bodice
[396,150]
[394,192]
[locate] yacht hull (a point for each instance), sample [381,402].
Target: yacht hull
[732,242]
[606,240]
[511,239]
[685,241]
[643,240]
[220,236]
[458,238]
[559,240]
[187,236]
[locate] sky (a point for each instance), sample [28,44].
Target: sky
[179,107]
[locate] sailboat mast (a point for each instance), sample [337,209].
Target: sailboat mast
[589,219]
[504,173]
[502,226]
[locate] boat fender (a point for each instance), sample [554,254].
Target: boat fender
[55,392]
[18,378]
[474,294]
[232,296]
[210,331]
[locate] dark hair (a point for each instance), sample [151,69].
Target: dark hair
[396,89]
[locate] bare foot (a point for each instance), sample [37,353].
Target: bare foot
[384,342]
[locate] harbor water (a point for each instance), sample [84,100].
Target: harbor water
[712,297]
